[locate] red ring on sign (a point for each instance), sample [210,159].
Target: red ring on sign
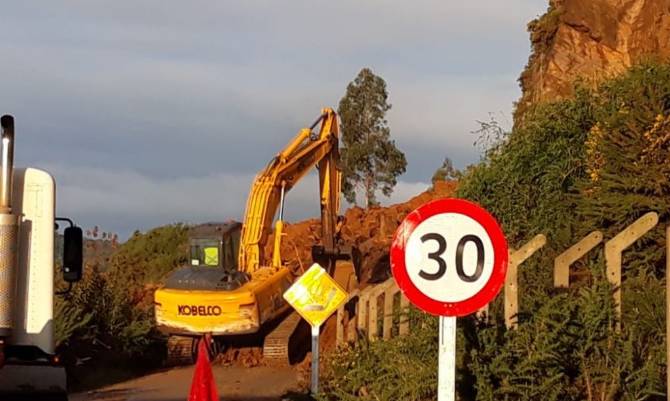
[500,257]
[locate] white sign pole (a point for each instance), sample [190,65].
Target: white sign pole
[315,359]
[446,380]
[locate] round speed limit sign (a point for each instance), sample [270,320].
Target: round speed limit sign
[449,257]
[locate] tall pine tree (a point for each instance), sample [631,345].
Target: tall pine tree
[370,159]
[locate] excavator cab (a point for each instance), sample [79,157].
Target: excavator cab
[212,260]
[216,251]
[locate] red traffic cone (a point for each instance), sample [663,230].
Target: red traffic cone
[203,387]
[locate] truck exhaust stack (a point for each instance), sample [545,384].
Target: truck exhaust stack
[8,231]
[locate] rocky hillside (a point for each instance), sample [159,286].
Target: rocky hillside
[591,40]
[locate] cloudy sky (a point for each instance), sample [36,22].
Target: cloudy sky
[156,111]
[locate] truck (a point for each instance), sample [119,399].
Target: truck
[29,366]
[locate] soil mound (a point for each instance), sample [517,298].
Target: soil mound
[370,230]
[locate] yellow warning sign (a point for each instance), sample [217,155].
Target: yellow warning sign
[315,295]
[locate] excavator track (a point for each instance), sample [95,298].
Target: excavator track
[180,350]
[277,346]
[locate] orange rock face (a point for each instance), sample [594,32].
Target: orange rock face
[591,40]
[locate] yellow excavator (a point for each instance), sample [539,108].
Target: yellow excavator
[214,295]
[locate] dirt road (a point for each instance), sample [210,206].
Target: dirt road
[235,383]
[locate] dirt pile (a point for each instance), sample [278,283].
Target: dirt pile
[247,357]
[371,231]
[591,40]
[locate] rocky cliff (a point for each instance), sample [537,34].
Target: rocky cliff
[590,40]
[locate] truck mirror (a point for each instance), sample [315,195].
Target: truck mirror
[73,247]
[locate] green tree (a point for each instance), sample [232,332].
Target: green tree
[370,159]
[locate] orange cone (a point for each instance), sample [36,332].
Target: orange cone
[203,387]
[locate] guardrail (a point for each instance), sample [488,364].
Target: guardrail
[371,311]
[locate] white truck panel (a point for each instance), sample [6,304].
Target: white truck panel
[33,200]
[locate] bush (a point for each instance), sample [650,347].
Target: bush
[111,311]
[148,257]
[403,368]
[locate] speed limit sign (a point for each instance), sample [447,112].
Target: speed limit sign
[449,257]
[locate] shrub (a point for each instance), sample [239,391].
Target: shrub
[112,310]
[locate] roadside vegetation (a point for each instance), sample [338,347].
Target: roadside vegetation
[107,318]
[597,161]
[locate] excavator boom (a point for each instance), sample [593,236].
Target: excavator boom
[306,150]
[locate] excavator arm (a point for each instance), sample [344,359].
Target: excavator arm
[308,149]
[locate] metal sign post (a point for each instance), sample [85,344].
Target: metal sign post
[315,296]
[446,380]
[315,360]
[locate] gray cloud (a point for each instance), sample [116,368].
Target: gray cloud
[117,200]
[136,104]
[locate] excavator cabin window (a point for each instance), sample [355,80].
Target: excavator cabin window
[210,252]
[205,253]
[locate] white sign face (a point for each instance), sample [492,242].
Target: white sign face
[449,257]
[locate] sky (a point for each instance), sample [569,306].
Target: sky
[160,111]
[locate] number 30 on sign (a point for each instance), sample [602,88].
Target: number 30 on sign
[449,257]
